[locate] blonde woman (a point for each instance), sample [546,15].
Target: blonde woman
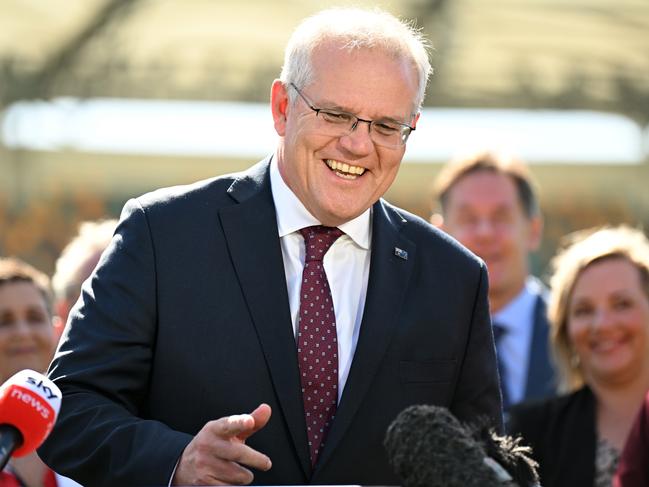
[599,313]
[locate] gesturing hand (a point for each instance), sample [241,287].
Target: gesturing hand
[218,454]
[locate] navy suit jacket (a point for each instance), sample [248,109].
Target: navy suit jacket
[186,319]
[541,375]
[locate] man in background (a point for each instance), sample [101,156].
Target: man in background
[488,202]
[75,264]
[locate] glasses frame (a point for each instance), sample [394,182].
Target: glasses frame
[405,134]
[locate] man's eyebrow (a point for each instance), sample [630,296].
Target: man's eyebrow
[329,105]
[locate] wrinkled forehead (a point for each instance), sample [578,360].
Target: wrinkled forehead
[344,77]
[336,46]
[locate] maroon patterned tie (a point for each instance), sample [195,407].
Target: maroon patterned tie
[317,345]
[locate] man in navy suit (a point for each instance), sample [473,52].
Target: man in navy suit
[489,204]
[179,363]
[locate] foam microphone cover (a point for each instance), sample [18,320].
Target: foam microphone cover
[29,402]
[428,447]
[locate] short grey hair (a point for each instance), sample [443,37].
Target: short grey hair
[72,266]
[355,28]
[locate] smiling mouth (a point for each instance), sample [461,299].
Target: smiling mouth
[606,346]
[344,170]
[22,351]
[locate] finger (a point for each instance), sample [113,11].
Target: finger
[231,426]
[261,415]
[230,473]
[241,453]
[210,459]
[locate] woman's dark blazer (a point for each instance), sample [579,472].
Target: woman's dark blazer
[562,434]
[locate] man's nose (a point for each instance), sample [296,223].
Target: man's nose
[358,140]
[484,227]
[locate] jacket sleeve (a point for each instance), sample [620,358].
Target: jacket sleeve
[633,469]
[478,391]
[102,366]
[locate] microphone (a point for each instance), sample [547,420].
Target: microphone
[29,404]
[428,447]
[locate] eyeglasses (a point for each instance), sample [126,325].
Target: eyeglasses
[385,132]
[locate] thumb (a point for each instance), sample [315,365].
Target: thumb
[261,416]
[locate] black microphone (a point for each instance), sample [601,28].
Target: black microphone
[29,404]
[428,447]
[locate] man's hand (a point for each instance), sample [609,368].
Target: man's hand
[218,454]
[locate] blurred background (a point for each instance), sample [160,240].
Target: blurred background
[102,100]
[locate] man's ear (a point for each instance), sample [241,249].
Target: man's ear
[59,325]
[535,233]
[61,311]
[279,104]
[416,119]
[437,220]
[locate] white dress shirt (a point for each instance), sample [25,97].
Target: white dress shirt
[517,318]
[347,265]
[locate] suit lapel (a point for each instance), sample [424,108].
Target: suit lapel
[540,375]
[387,283]
[250,229]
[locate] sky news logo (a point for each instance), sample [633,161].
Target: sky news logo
[28,398]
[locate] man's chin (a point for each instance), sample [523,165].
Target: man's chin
[497,287]
[334,215]
[496,281]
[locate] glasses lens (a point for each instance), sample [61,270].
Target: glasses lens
[384,133]
[389,133]
[334,123]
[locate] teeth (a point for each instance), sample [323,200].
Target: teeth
[345,170]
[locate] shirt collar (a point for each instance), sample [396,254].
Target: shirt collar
[292,215]
[509,317]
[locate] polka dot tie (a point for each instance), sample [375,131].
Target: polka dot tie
[317,344]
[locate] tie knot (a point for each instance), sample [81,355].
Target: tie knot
[318,239]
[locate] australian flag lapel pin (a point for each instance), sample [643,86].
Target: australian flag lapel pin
[402,254]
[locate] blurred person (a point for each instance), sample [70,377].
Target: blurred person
[185,359]
[27,341]
[75,264]
[633,467]
[599,311]
[488,202]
